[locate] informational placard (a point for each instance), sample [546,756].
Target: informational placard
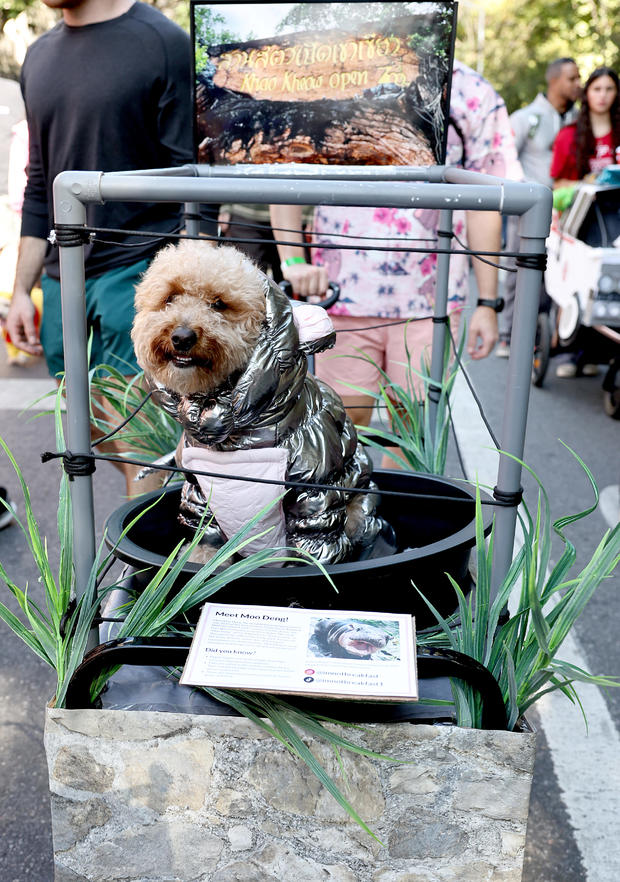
[328,653]
[339,83]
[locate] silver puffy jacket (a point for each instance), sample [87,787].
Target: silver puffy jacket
[276,403]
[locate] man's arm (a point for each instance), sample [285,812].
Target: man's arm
[484,233]
[20,318]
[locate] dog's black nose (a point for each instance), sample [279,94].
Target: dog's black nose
[183,339]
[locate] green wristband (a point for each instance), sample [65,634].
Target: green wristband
[292,260]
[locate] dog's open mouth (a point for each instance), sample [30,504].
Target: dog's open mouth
[181,360]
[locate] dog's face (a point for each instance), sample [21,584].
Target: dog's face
[199,311]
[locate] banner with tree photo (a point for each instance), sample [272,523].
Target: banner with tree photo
[339,83]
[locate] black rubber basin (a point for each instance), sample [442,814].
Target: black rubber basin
[434,535]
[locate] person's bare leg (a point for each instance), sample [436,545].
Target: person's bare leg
[387,462]
[359,408]
[117,448]
[393,457]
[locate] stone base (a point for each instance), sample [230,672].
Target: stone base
[158,797]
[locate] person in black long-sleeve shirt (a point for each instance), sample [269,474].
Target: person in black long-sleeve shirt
[107,89]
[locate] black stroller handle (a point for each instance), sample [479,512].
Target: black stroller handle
[328,301]
[172,652]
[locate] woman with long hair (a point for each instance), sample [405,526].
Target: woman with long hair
[580,152]
[583,149]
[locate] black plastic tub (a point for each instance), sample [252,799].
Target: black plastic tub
[435,536]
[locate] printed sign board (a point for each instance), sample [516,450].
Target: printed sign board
[340,83]
[328,653]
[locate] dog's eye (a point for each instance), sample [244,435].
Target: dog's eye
[219,305]
[170,298]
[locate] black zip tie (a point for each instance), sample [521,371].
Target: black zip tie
[532,261]
[445,234]
[89,236]
[434,392]
[70,236]
[125,421]
[440,320]
[74,464]
[508,498]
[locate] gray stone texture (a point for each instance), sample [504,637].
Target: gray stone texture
[156,797]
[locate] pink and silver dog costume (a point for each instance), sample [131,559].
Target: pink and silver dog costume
[275,420]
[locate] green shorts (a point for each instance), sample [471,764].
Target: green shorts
[109,316]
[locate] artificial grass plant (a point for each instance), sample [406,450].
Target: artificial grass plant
[408,432]
[545,602]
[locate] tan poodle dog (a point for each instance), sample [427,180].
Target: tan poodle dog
[225,353]
[199,310]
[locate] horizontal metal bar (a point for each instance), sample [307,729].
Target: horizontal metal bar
[500,195]
[297,170]
[179,171]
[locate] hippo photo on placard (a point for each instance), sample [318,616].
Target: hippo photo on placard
[339,83]
[354,639]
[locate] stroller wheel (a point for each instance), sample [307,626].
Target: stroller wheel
[569,321]
[542,348]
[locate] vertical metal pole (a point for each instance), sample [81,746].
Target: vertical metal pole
[72,286]
[444,232]
[192,221]
[516,406]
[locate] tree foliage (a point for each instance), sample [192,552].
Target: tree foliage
[177,10]
[306,16]
[519,38]
[510,41]
[209,30]
[12,8]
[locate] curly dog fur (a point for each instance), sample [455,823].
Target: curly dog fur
[199,310]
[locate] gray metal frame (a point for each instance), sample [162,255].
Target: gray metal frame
[439,187]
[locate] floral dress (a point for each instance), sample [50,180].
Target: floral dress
[393,284]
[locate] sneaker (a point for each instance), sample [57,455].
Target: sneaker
[589,370]
[569,369]
[502,349]
[7,515]
[566,370]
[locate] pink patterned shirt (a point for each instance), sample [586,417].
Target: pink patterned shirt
[400,284]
